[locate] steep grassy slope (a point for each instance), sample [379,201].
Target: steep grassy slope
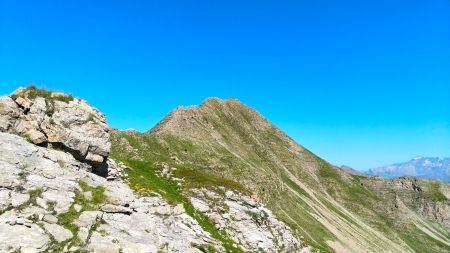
[225,143]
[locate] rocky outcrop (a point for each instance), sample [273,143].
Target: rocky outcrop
[247,221]
[58,120]
[429,199]
[49,144]
[50,201]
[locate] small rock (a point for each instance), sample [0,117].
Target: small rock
[24,102]
[88,195]
[59,233]
[42,203]
[36,137]
[163,210]
[50,219]
[200,205]
[83,234]
[18,199]
[178,209]
[87,218]
[108,208]
[77,207]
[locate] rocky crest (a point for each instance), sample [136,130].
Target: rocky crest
[58,120]
[226,143]
[217,177]
[50,201]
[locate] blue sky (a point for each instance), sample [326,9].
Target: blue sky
[362,83]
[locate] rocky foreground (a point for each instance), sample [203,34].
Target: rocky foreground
[60,192]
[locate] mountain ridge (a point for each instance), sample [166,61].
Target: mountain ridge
[231,140]
[423,167]
[219,177]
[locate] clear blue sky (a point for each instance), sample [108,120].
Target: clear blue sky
[362,83]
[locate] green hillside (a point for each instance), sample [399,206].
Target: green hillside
[225,143]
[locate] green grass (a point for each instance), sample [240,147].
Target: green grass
[208,164]
[205,248]
[434,193]
[195,178]
[33,92]
[294,186]
[351,190]
[421,242]
[158,151]
[143,178]
[66,219]
[98,196]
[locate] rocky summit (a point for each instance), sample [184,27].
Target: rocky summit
[217,177]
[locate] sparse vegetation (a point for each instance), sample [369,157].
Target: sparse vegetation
[143,179]
[205,248]
[50,97]
[66,219]
[231,146]
[434,193]
[33,92]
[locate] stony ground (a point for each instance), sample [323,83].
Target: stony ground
[60,192]
[51,201]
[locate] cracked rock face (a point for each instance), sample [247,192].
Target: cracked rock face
[57,120]
[248,222]
[39,187]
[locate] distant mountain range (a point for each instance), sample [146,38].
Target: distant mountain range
[423,167]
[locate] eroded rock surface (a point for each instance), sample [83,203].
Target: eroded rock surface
[50,201]
[41,188]
[56,119]
[247,221]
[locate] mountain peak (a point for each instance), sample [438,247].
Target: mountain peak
[213,113]
[424,167]
[418,157]
[224,143]
[217,100]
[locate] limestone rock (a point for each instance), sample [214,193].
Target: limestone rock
[108,208]
[9,112]
[50,219]
[58,119]
[246,221]
[87,218]
[18,199]
[59,233]
[27,239]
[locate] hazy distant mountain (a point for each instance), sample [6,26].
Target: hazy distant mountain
[424,167]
